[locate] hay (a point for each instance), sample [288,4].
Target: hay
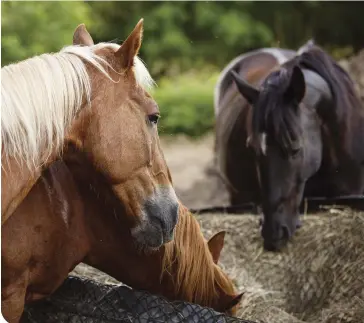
[319,277]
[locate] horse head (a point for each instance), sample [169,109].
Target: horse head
[118,133]
[286,137]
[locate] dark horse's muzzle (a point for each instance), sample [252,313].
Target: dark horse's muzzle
[276,234]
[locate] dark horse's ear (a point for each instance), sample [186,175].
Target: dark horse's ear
[249,92]
[297,87]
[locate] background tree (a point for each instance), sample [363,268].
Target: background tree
[32,28]
[186,43]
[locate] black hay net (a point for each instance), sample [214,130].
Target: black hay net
[83,300]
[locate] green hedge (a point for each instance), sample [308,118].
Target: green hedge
[186,103]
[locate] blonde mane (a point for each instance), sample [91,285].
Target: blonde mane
[198,282]
[41,96]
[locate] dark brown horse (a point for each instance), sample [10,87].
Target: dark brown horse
[288,125]
[72,215]
[96,96]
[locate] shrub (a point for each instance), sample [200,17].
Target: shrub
[186,103]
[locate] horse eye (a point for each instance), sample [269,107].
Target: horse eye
[153,118]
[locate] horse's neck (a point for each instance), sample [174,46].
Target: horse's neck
[105,232]
[16,182]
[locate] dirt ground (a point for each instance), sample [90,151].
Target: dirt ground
[190,162]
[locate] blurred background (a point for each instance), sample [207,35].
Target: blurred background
[186,44]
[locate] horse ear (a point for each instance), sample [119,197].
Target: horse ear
[130,47]
[215,244]
[307,46]
[311,42]
[82,37]
[234,301]
[297,87]
[249,92]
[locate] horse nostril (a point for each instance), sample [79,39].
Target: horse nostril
[159,222]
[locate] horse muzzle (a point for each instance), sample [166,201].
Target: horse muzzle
[159,219]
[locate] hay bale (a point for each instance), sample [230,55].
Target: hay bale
[315,279]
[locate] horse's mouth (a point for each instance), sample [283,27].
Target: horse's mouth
[153,234]
[278,244]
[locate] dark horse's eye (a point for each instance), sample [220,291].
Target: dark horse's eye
[153,118]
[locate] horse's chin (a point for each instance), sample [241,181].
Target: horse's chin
[275,246]
[149,234]
[148,242]
[279,241]
[146,249]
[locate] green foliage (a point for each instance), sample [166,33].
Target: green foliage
[342,52]
[32,28]
[186,103]
[183,36]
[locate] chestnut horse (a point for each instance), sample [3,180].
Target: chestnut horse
[70,216]
[288,125]
[96,97]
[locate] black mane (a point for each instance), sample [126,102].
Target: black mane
[280,119]
[341,85]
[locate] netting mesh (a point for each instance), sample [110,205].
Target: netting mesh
[83,300]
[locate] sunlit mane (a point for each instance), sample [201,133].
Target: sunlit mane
[197,282]
[41,96]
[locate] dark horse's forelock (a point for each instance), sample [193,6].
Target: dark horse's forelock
[274,115]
